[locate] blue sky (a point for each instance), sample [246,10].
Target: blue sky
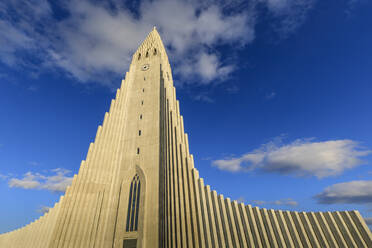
[276,95]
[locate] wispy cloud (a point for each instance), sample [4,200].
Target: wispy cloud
[290,14]
[233,89]
[33,163]
[56,181]
[303,157]
[3,177]
[354,192]
[352,5]
[283,202]
[203,97]
[95,40]
[43,209]
[270,95]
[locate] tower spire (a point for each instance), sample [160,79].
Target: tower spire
[151,42]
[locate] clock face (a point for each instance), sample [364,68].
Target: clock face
[145,67]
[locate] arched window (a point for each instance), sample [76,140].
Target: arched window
[155,51]
[147,54]
[133,205]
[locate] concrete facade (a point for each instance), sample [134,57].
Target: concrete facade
[138,186]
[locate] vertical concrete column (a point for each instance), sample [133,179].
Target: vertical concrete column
[354,230]
[268,227]
[192,199]
[219,227]
[253,225]
[186,194]
[203,209]
[336,232]
[202,237]
[211,216]
[230,219]
[261,227]
[283,226]
[309,230]
[239,225]
[326,230]
[245,222]
[277,232]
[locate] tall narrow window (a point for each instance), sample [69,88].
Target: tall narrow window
[155,51]
[140,117]
[138,150]
[139,56]
[144,78]
[143,90]
[133,205]
[147,54]
[141,102]
[139,132]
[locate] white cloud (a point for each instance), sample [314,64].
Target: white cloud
[29,181]
[57,182]
[94,40]
[354,192]
[300,158]
[283,202]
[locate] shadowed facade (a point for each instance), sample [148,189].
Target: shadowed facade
[138,186]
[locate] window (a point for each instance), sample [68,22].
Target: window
[139,56]
[155,51]
[139,132]
[140,117]
[138,150]
[133,204]
[142,102]
[144,78]
[143,90]
[147,54]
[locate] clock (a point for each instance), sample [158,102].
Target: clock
[145,67]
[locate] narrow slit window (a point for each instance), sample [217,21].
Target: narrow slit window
[138,150]
[140,117]
[147,54]
[144,78]
[155,51]
[139,56]
[133,205]
[141,102]
[143,90]
[139,132]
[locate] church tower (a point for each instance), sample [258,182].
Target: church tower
[138,186]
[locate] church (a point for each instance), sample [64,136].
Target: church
[139,187]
